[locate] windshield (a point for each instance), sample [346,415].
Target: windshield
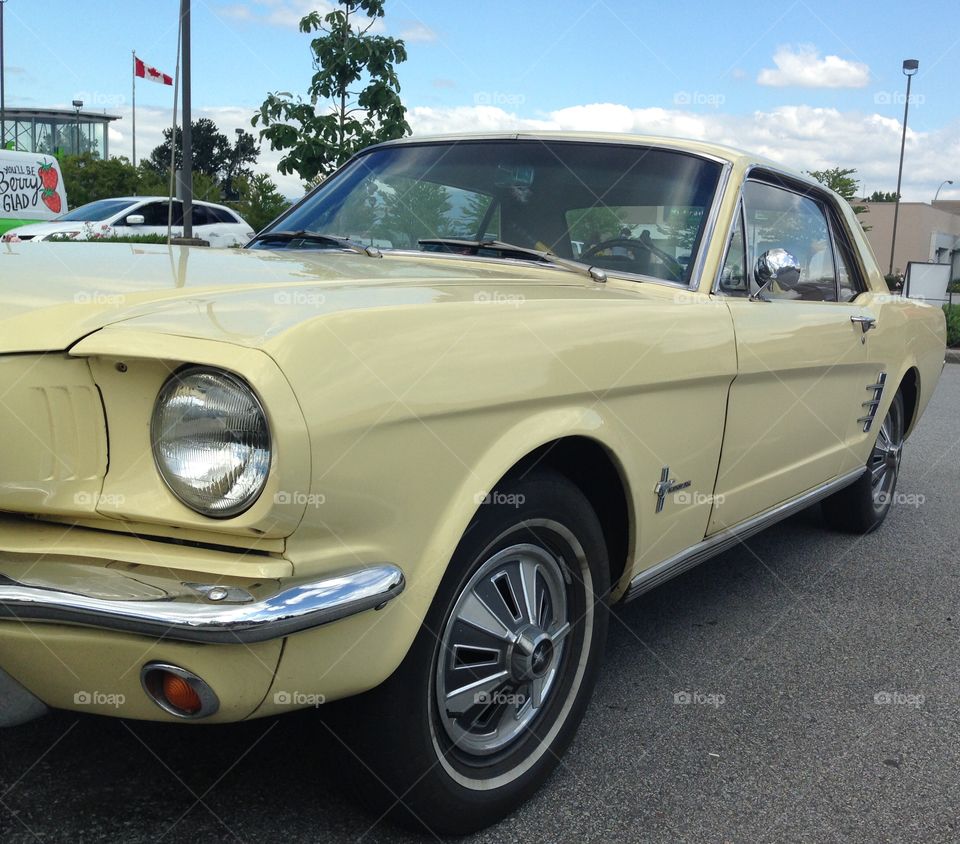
[95,212]
[622,208]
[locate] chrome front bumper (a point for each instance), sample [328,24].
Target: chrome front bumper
[207,613]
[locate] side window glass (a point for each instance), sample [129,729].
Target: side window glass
[733,276]
[154,213]
[201,215]
[847,275]
[781,219]
[220,215]
[848,287]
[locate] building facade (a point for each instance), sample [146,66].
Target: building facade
[925,232]
[50,130]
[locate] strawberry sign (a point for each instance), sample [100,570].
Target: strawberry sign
[31,187]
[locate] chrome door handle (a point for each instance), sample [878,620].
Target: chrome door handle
[865,322]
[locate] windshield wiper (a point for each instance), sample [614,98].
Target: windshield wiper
[594,273]
[317,237]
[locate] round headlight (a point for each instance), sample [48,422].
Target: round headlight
[211,442]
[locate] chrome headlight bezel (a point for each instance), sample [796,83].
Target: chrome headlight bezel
[177,485]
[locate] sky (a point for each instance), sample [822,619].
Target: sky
[812,84]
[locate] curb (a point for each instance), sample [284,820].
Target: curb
[953,356]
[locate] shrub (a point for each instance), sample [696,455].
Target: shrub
[953,324]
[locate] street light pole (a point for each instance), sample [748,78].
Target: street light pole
[3,96]
[909,69]
[77,104]
[944,182]
[187,177]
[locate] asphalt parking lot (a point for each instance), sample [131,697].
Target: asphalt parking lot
[803,688]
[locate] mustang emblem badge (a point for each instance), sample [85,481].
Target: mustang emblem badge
[666,487]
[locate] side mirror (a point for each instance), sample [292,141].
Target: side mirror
[134,220]
[776,265]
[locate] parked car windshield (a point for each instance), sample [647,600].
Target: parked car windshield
[95,212]
[623,208]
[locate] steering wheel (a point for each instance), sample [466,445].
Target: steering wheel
[644,242]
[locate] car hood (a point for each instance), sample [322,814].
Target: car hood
[51,295]
[42,229]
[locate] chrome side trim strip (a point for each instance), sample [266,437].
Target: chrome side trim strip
[297,608]
[724,540]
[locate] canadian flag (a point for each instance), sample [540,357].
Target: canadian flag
[144,71]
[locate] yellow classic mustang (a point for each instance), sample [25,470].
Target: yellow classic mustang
[412,443]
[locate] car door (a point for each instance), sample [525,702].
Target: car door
[803,368]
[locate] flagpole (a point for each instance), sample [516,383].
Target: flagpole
[133,85]
[173,138]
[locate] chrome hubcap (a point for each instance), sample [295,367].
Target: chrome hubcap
[501,649]
[884,463]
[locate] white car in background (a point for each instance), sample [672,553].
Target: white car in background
[138,215]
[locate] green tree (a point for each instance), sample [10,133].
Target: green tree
[213,154]
[353,99]
[882,196]
[259,200]
[88,177]
[841,181]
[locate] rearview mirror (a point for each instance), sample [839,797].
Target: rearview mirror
[134,220]
[776,265]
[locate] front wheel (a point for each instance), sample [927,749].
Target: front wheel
[497,681]
[862,506]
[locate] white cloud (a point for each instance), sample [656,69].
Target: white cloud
[802,66]
[415,31]
[799,137]
[237,11]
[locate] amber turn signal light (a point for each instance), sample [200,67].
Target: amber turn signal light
[178,691]
[180,694]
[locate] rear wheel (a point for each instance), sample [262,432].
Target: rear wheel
[862,506]
[496,683]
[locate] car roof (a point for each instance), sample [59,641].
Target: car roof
[734,156]
[155,199]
